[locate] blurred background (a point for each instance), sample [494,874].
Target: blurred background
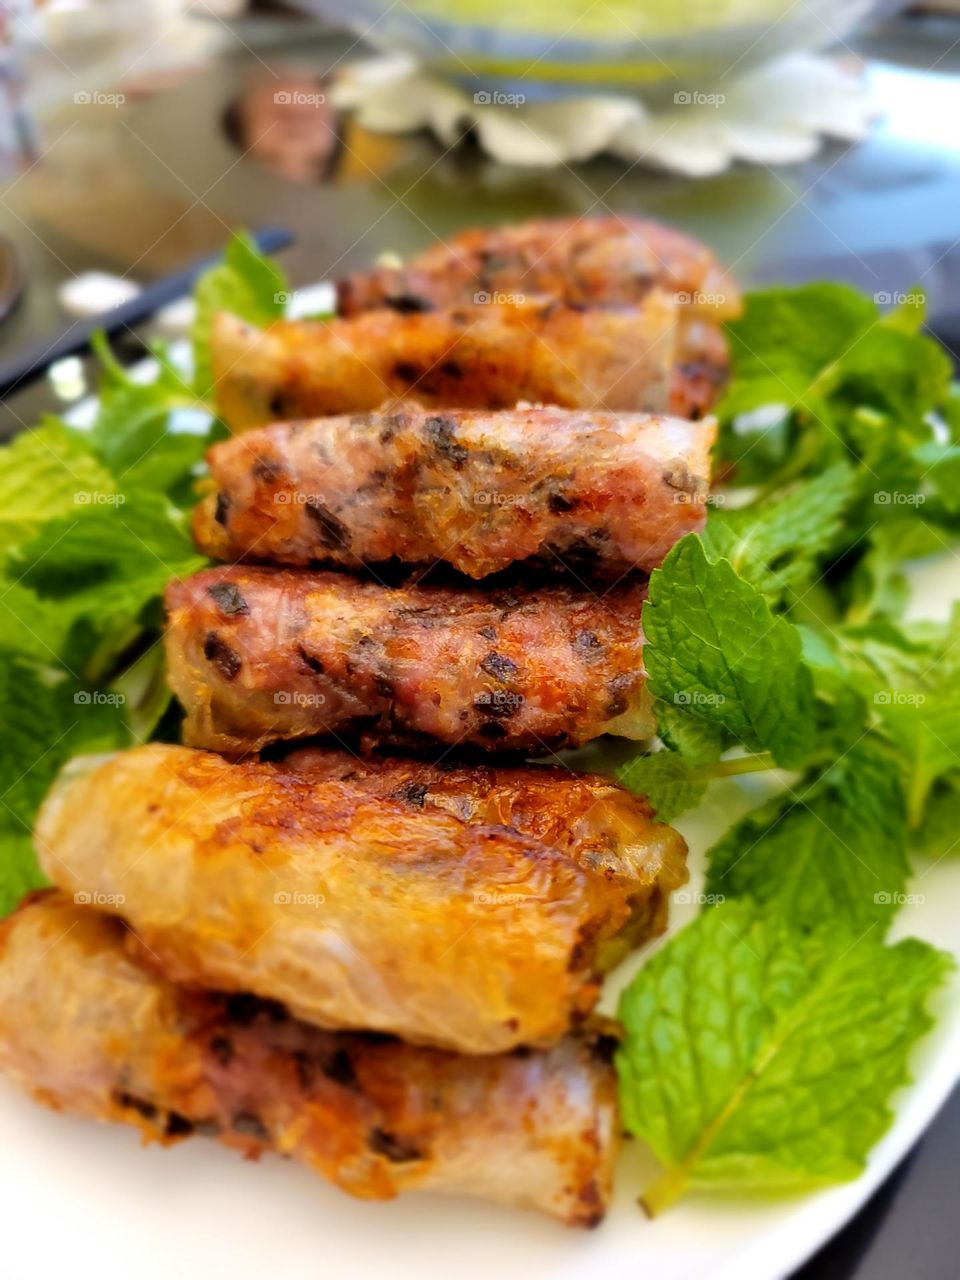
[135,135]
[800,138]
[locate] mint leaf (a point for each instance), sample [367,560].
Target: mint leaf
[670,782]
[940,468]
[833,849]
[828,345]
[104,571]
[46,719]
[34,628]
[675,779]
[134,544]
[33,726]
[777,545]
[925,728]
[757,1056]
[714,647]
[169,466]
[797,331]
[247,285]
[132,433]
[840,709]
[819,375]
[49,471]
[878,586]
[939,834]
[900,374]
[19,869]
[881,656]
[698,741]
[126,402]
[910,680]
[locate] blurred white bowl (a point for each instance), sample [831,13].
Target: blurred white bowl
[557,46]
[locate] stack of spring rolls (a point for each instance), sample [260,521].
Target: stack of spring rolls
[385,965]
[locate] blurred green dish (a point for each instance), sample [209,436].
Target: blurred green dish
[563,45]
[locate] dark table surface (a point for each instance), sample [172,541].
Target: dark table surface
[137,190]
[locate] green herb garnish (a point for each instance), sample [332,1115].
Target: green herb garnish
[763,1042]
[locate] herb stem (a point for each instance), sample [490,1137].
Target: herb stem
[916,797]
[741,764]
[664,1192]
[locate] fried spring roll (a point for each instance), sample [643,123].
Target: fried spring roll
[86,1029]
[352,909]
[598,823]
[484,357]
[582,261]
[257,655]
[599,493]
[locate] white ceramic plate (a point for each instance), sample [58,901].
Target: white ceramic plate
[85,1200]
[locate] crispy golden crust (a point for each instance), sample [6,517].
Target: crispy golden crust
[582,261]
[85,1028]
[257,655]
[598,823]
[601,494]
[352,909]
[483,357]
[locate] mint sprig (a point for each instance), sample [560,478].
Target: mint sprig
[247,285]
[715,648]
[761,1057]
[831,848]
